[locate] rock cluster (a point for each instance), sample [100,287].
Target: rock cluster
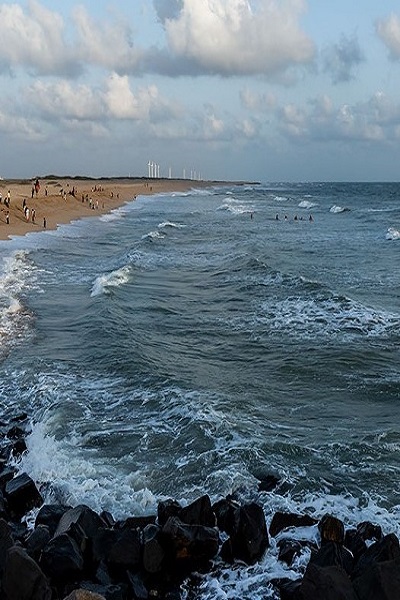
[73,553]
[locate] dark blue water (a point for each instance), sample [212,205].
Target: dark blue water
[189,343]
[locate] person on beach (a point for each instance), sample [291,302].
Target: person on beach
[44,222]
[8,217]
[33,215]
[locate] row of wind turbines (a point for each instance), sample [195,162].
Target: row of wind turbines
[154,172]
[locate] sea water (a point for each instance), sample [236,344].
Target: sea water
[194,343]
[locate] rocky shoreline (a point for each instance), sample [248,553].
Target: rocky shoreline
[73,553]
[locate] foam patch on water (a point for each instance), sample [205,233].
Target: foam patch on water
[18,275]
[338,209]
[393,234]
[104,283]
[322,316]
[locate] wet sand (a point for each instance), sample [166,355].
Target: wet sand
[60,201]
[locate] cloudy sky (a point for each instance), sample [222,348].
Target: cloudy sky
[266,90]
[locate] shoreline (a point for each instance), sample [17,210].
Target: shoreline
[61,200]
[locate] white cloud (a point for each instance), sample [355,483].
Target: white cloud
[374,120]
[108,45]
[65,100]
[231,37]
[35,39]
[388,31]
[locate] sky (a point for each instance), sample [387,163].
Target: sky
[253,90]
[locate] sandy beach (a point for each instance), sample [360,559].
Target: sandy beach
[62,200]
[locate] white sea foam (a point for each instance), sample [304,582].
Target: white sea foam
[338,209]
[170,224]
[326,317]
[79,479]
[17,276]
[392,234]
[307,204]
[153,235]
[235,207]
[103,283]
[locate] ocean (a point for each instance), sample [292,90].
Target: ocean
[195,343]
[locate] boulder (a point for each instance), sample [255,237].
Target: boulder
[386,549]
[227,514]
[380,582]
[331,529]
[189,546]
[23,579]
[250,538]
[50,515]
[22,495]
[282,520]
[166,509]
[6,542]
[199,512]
[137,587]
[153,551]
[62,560]
[369,531]
[354,542]
[84,517]
[288,549]
[332,554]
[37,540]
[125,553]
[326,583]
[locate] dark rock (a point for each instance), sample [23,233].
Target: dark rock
[380,582]
[189,546]
[153,551]
[386,549]
[166,509]
[250,539]
[22,495]
[20,418]
[125,553]
[83,517]
[109,592]
[6,475]
[368,531]
[23,579]
[103,541]
[268,483]
[332,554]
[354,542]
[18,448]
[6,542]
[326,583]
[102,575]
[288,588]
[136,522]
[36,541]
[288,549]
[62,560]
[108,519]
[50,515]
[3,506]
[282,521]
[199,512]
[227,514]
[331,529]
[16,433]
[137,587]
